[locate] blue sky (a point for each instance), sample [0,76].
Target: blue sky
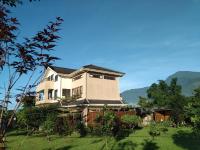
[146,39]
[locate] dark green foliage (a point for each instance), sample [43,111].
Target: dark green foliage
[81,128]
[164,125]
[159,93]
[108,122]
[186,139]
[131,121]
[48,126]
[28,101]
[154,130]
[168,96]
[62,126]
[111,125]
[31,118]
[145,103]
[193,111]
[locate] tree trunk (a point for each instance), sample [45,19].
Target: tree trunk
[2,143]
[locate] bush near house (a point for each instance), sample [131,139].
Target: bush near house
[45,119]
[156,128]
[131,121]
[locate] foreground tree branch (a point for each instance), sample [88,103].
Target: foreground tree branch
[20,59]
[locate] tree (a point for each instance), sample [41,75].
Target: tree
[145,103]
[193,111]
[48,126]
[168,96]
[108,125]
[24,58]
[29,118]
[131,121]
[154,130]
[177,102]
[159,93]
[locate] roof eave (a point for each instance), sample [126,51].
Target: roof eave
[119,74]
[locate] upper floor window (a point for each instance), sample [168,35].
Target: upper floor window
[109,77]
[77,77]
[77,92]
[50,78]
[96,76]
[56,78]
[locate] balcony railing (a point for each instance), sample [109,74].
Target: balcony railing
[45,85]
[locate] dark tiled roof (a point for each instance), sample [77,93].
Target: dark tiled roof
[90,101]
[105,102]
[101,68]
[76,102]
[62,70]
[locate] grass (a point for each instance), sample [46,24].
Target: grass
[174,139]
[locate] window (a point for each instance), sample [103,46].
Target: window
[51,77]
[96,76]
[41,95]
[77,77]
[50,94]
[55,94]
[56,78]
[77,92]
[109,77]
[65,93]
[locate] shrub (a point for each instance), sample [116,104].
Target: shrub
[154,130]
[157,127]
[131,121]
[29,118]
[81,129]
[48,126]
[62,126]
[164,125]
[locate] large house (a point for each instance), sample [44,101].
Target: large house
[89,88]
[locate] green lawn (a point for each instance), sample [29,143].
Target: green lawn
[174,139]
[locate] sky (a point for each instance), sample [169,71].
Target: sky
[146,39]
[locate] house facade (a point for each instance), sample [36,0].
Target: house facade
[90,88]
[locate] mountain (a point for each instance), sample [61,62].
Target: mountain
[131,96]
[187,79]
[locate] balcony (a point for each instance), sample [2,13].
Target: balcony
[46,102]
[45,85]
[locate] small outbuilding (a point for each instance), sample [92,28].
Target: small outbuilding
[161,114]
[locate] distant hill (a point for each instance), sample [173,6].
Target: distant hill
[131,96]
[187,79]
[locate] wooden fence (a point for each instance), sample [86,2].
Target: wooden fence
[93,115]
